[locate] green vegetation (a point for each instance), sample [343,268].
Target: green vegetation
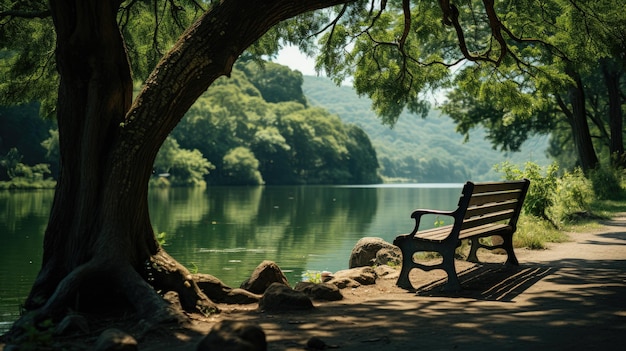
[252,128]
[312,277]
[523,68]
[416,149]
[556,203]
[248,140]
[22,176]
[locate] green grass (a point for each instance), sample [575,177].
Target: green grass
[534,233]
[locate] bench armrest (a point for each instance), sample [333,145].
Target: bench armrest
[417,214]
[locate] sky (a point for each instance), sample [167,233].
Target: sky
[291,57]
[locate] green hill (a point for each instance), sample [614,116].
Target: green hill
[419,149]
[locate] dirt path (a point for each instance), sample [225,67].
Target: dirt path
[569,297]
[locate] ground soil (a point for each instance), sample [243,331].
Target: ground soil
[571,296]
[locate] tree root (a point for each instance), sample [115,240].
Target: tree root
[166,274]
[141,290]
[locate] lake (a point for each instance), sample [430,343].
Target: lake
[228,231]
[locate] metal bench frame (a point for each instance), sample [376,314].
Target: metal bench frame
[484,210]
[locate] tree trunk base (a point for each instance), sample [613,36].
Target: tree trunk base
[113,290]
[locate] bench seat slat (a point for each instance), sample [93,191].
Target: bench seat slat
[441,233]
[485,230]
[478,200]
[489,187]
[488,218]
[492,207]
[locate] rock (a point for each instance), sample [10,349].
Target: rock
[342,283]
[362,275]
[322,291]
[72,324]
[115,340]
[263,276]
[215,290]
[279,297]
[389,256]
[387,272]
[364,252]
[234,336]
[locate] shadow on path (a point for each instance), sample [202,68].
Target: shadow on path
[490,282]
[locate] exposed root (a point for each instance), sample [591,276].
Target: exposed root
[166,274]
[104,287]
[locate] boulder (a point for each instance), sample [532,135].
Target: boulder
[234,336]
[215,290]
[387,272]
[362,275]
[389,256]
[365,250]
[321,291]
[343,283]
[280,297]
[263,276]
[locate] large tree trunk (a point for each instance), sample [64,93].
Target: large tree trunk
[612,77]
[580,127]
[99,240]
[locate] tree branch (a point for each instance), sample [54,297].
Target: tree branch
[25,14]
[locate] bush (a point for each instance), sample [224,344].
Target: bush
[542,187]
[552,198]
[606,182]
[572,197]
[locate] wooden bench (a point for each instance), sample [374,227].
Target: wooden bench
[484,210]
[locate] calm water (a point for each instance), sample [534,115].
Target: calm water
[228,231]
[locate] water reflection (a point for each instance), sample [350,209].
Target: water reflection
[233,229]
[23,219]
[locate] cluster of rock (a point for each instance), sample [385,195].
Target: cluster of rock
[370,259]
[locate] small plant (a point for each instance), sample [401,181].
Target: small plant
[162,238]
[312,277]
[439,222]
[193,269]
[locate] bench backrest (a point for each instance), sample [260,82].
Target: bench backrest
[484,203]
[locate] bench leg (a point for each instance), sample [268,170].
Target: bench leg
[453,283]
[474,246]
[508,246]
[407,264]
[410,246]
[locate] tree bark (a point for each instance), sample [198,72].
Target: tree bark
[99,238]
[580,127]
[616,144]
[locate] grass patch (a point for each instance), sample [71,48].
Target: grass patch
[534,233]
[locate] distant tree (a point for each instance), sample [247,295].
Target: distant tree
[181,167]
[242,167]
[276,83]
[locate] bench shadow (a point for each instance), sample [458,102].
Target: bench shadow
[490,282]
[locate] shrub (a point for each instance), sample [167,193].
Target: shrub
[550,197]
[606,182]
[572,196]
[542,187]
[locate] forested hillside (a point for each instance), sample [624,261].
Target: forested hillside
[254,127]
[272,126]
[419,149]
